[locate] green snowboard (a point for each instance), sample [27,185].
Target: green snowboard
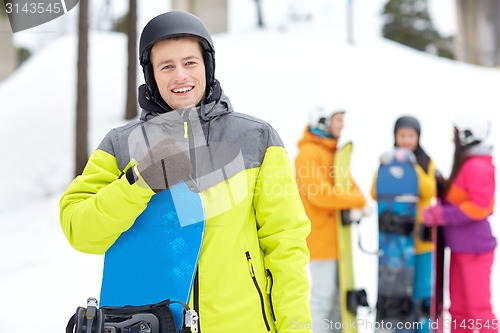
[350,298]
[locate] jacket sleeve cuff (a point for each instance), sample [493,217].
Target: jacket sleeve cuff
[131,176]
[134,177]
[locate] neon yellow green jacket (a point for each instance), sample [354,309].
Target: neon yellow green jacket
[251,273]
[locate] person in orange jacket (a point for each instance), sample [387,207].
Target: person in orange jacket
[315,175]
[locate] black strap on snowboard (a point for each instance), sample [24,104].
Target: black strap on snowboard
[345,215]
[87,320]
[424,308]
[394,307]
[356,298]
[425,233]
[397,224]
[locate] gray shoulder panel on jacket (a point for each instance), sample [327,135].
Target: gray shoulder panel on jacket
[116,143]
[250,135]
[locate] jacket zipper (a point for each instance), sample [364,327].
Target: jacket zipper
[196,298]
[270,291]
[261,296]
[188,134]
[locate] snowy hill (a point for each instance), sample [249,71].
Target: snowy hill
[277,75]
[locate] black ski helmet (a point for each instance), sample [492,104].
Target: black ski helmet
[407,122]
[175,24]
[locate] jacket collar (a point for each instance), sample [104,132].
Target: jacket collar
[479,150]
[328,143]
[206,112]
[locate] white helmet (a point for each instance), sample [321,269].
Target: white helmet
[471,130]
[321,118]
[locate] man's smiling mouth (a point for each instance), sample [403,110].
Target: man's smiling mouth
[182,90]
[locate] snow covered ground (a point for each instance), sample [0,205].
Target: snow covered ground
[278,75]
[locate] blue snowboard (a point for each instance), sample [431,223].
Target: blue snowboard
[397,196]
[156,259]
[423,290]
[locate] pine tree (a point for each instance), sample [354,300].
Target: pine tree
[408,22]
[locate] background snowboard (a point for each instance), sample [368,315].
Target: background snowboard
[156,258]
[436,311]
[350,298]
[397,195]
[422,293]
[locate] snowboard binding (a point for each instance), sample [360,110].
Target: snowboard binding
[397,224]
[394,307]
[140,323]
[424,308]
[87,320]
[355,299]
[155,318]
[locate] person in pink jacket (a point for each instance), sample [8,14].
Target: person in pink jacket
[463,210]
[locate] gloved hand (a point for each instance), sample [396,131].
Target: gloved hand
[357,214]
[398,154]
[164,165]
[433,216]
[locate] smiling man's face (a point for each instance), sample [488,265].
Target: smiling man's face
[179,71]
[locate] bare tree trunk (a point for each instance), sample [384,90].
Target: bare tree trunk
[350,22]
[131,105]
[81,149]
[8,59]
[260,19]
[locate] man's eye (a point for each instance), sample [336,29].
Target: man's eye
[167,67]
[190,63]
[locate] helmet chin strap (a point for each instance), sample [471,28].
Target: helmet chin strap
[149,77]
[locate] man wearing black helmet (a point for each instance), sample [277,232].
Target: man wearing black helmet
[251,272]
[175,25]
